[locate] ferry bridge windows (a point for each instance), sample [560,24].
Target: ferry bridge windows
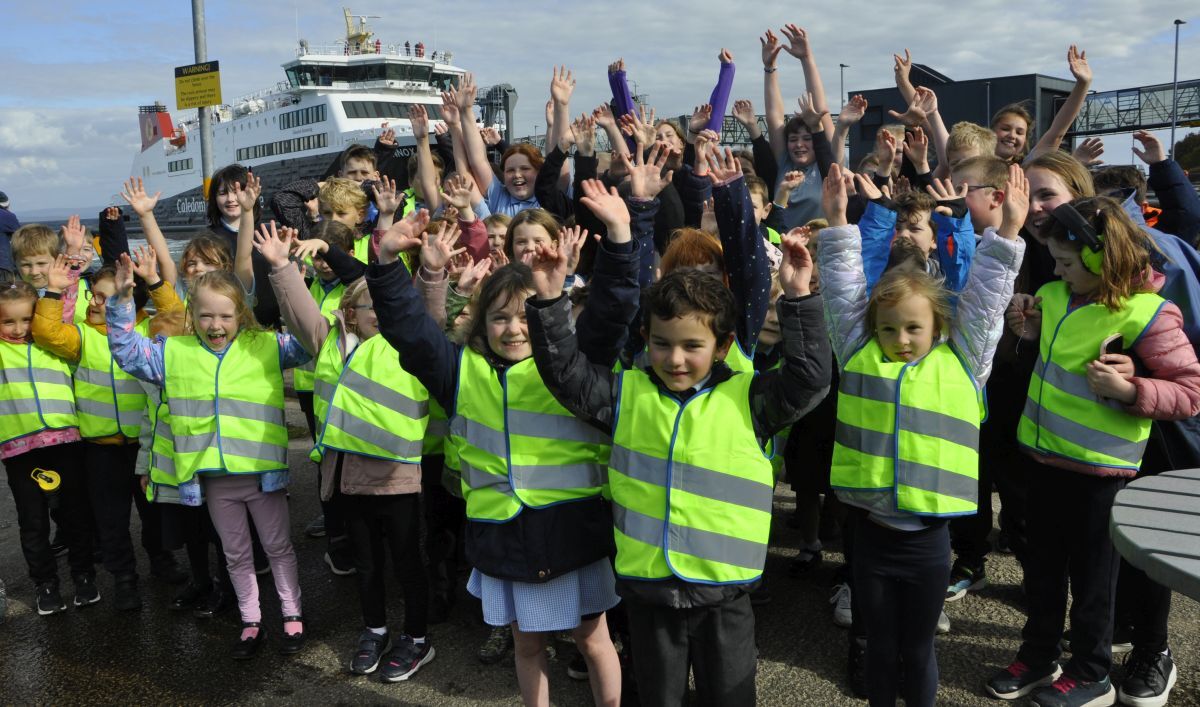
[385,109]
[283,147]
[179,165]
[304,116]
[443,82]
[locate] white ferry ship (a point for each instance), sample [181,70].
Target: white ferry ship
[334,96]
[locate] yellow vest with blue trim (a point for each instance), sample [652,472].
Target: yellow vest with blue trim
[516,446]
[362,248]
[226,409]
[911,429]
[328,301]
[108,400]
[35,392]
[367,404]
[82,297]
[691,486]
[162,451]
[1062,416]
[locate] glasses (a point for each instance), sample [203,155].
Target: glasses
[973,187]
[97,297]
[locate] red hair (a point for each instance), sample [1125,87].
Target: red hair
[522,148]
[693,248]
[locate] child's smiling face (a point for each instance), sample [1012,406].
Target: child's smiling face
[683,350]
[906,329]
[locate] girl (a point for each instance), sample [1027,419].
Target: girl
[519,165]
[1013,123]
[564,580]
[40,432]
[223,382]
[904,484]
[371,419]
[1085,424]
[232,219]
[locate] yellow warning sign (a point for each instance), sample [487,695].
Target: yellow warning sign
[197,85]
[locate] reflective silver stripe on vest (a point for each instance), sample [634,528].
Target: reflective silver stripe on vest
[104,379]
[870,387]
[243,409]
[556,427]
[29,406]
[99,409]
[476,479]
[703,544]
[693,479]
[1084,436]
[480,436]
[383,395]
[559,476]
[373,434]
[935,480]
[40,375]
[163,462]
[860,439]
[323,390]
[193,444]
[437,428]
[936,424]
[1064,380]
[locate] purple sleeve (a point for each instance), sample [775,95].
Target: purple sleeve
[720,97]
[138,356]
[622,101]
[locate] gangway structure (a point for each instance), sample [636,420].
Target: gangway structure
[1140,108]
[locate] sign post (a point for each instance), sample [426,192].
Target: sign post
[201,48]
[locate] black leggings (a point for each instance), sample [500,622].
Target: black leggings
[388,524]
[900,580]
[33,506]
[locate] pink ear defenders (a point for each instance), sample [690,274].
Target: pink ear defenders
[1078,229]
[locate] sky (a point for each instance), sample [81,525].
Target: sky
[73,79]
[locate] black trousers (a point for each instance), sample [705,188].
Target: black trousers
[716,642]
[151,515]
[388,525]
[191,528]
[109,469]
[900,580]
[1068,541]
[335,522]
[445,515]
[33,510]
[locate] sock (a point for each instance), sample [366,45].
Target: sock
[292,628]
[418,641]
[249,632]
[381,631]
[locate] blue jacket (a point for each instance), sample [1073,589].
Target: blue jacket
[1178,200]
[1180,264]
[955,244]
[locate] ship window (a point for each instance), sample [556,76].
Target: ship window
[443,82]
[304,116]
[385,109]
[179,165]
[281,147]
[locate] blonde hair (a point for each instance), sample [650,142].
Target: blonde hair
[209,248]
[35,239]
[988,170]
[225,284]
[966,135]
[501,220]
[1126,252]
[341,194]
[898,285]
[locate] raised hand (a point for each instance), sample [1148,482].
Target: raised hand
[943,190]
[902,68]
[649,176]
[387,197]
[403,235]
[1016,203]
[853,111]
[725,56]
[833,195]
[796,269]
[474,274]
[1078,64]
[450,115]
[797,41]
[770,49]
[74,235]
[584,130]
[925,100]
[458,191]
[466,96]
[275,244]
[700,117]
[124,276]
[1152,151]
[570,241]
[639,126]
[247,196]
[146,264]
[499,259]
[866,187]
[58,277]
[438,248]
[111,213]
[606,204]
[723,168]
[808,112]
[134,194]
[618,65]
[491,136]
[388,136]
[1088,152]
[915,115]
[309,248]
[604,117]
[916,149]
[885,151]
[790,182]
[549,115]
[562,85]
[743,112]
[419,118]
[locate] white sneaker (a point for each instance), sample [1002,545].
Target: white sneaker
[841,605]
[943,624]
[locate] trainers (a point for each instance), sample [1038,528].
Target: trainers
[371,647]
[49,601]
[86,592]
[841,605]
[577,669]
[943,624]
[316,529]
[1149,677]
[1069,692]
[963,580]
[497,644]
[405,659]
[1018,680]
[1122,643]
[340,563]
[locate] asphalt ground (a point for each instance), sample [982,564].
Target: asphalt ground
[98,656]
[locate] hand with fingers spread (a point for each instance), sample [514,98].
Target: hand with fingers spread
[1152,151]
[604,117]
[723,167]
[1088,152]
[584,129]
[275,244]
[450,115]
[770,49]
[551,265]
[58,277]
[403,235]
[499,258]
[808,113]
[649,175]
[925,101]
[700,116]
[1016,203]
[473,275]
[886,150]
[915,115]
[833,195]
[466,97]
[796,270]
[134,194]
[943,191]
[124,277]
[797,41]
[853,111]
[419,119]
[743,112]
[608,206]
[866,187]
[902,68]
[247,196]
[572,239]
[74,235]
[438,248]
[308,249]
[459,192]
[562,85]
[916,149]
[146,265]
[387,197]
[491,136]
[639,126]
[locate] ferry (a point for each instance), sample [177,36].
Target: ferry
[335,96]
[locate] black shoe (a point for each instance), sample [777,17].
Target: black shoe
[86,592]
[245,649]
[804,562]
[1069,692]
[965,579]
[577,669]
[218,602]
[761,595]
[128,598]
[1149,677]
[371,647]
[856,669]
[316,529]
[49,600]
[189,597]
[291,643]
[1018,680]
[340,562]
[165,567]
[405,659]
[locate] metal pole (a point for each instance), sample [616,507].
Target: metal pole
[988,117]
[842,85]
[198,38]
[1175,92]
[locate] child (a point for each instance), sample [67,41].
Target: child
[906,483]
[227,364]
[371,419]
[986,178]
[519,165]
[1013,123]
[1086,425]
[687,602]
[232,220]
[497,230]
[551,492]
[40,432]
[34,249]
[344,201]
[967,140]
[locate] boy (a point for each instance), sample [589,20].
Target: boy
[687,422]
[986,177]
[968,140]
[344,201]
[34,248]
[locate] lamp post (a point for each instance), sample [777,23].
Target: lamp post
[842,84]
[1175,91]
